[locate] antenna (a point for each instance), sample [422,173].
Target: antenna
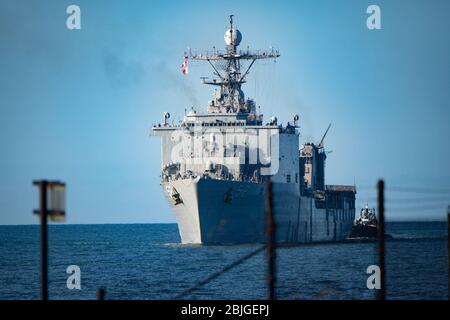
[231,30]
[231,98]
[320,145]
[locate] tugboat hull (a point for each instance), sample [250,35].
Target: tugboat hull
[363,231]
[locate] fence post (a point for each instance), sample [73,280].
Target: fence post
[44,239]
[270,234]
[100,294]
[448,249]
[51,204]
[381,264]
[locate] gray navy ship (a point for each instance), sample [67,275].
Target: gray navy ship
[214,165]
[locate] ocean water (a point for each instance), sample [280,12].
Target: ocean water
[146,261]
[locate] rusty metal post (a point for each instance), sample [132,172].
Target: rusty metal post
[44,239]
[56,211]
[381,264]
[448,249]
[270,234]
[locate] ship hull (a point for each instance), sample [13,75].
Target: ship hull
[210,211]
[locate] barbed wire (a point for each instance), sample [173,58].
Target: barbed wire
[443,191]
[419,190]
[415,209]
[419,200]
[213,276]
[400,205]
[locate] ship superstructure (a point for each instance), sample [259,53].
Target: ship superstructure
[214,164]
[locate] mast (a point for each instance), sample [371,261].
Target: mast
[230,97]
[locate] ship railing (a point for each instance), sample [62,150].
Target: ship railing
[224,55]
[223,177]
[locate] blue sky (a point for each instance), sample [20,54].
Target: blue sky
[78,105]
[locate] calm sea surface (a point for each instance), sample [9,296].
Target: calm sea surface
[146,261]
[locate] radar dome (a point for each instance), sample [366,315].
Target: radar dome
[233,38]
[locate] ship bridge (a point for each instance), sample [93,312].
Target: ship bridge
[230,141]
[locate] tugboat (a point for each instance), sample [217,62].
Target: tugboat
[366,226]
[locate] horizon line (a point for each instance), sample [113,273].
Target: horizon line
[140,223]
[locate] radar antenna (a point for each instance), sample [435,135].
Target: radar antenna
[231,98]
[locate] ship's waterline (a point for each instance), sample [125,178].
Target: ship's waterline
[225,212]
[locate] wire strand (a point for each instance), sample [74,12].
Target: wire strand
[442,191]
[419,200]
[217,274]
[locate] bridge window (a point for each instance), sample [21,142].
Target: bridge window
[288,178]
